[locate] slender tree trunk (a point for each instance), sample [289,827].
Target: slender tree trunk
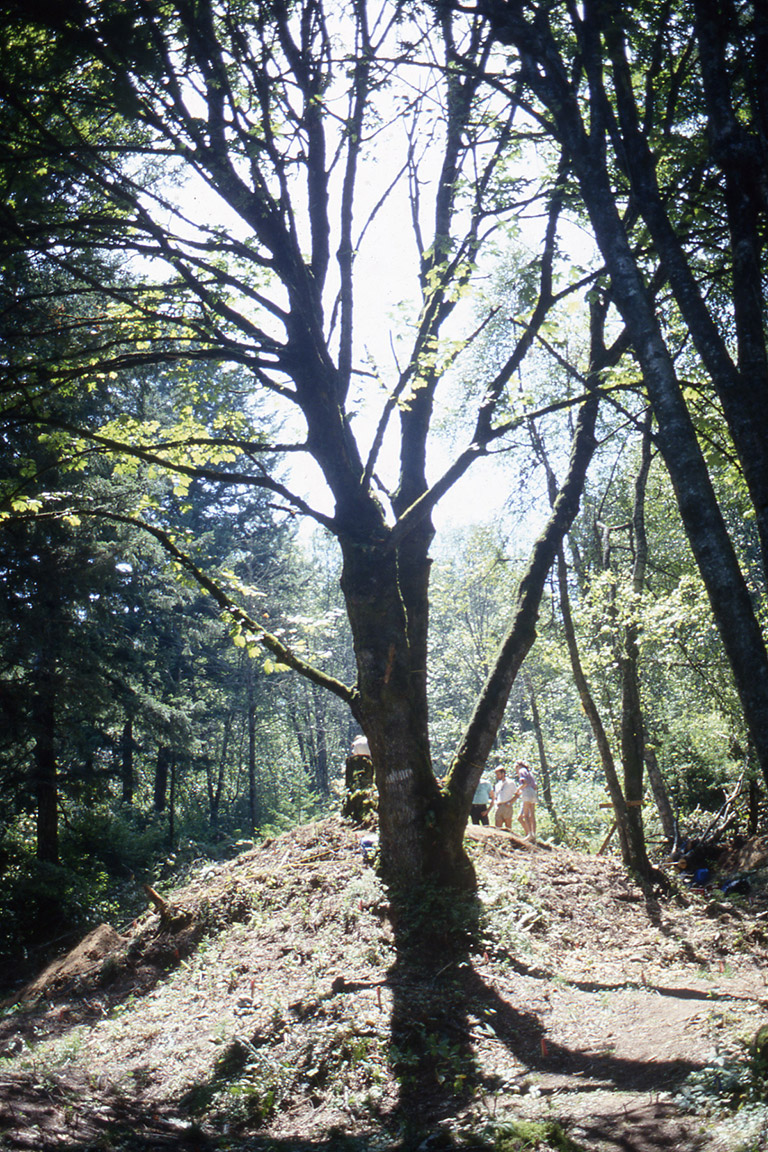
[593,715]
[632,754]
[252,813]
[44,770]
[478,739]
[660,794]
[161,778]
[172,769]
[632,728]
[705,527]
[546,786]
[321,765]
[215,782]
[126,762]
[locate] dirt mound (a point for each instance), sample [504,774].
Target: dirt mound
[85,959]
[277,1000]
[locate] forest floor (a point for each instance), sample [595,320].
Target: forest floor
[277,1003]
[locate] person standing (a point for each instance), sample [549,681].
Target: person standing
[503,798]
[526,790]
[481,802]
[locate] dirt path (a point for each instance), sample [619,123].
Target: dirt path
[268,1011]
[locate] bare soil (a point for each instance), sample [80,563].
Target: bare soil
[280,1001]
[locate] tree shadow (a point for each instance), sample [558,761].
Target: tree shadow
[440,1001]
[442,1010]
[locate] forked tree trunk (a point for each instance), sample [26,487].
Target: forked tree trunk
[421,827]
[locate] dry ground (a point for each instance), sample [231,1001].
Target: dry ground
[277,1006]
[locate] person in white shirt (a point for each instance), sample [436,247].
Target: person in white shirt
[481,803]
[503,798]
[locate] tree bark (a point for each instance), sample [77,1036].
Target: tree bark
[252,799]
[161,778]
[215,780]
[660,794]
[44,764]
[546,786]
[126,762]
[632,729]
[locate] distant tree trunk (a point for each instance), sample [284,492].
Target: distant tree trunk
[126,762]
[321,758]
[172,802]
[632,729]
[546,786]
[660,794]
[161,778]
[44,770]
[252,802]
[753,809]
[309,723]
[592,713]
[215,783]
[46,642]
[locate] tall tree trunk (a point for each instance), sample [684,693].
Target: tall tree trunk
[593,715]
[660,794]
[126,762]
[44,763]
[215,781]
[546,786]
[632,728]
[702,518]
[172,769]
[161,778]
[252,813]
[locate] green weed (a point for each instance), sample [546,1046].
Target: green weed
[529,1135]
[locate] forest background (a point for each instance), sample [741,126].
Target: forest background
[266,266]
